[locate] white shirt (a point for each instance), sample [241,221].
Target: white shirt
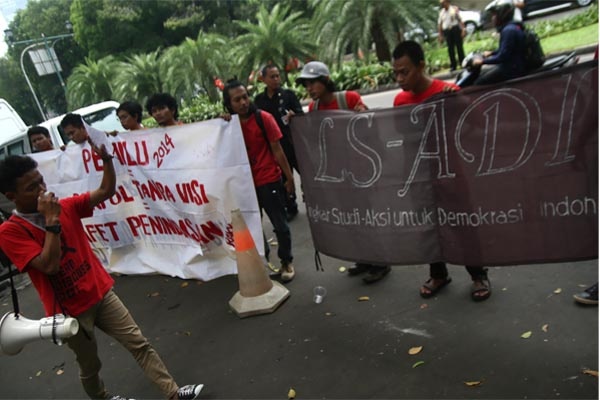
[448,18]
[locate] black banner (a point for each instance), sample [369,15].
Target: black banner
[495,175]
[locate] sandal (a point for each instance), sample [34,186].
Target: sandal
[480,293]
[433,288]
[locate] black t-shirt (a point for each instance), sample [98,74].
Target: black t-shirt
[278,106]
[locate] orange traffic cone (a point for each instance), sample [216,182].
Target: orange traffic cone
[258,294]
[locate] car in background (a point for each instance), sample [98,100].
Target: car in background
[535,8]
[12,132]
[471,19]
[102,116]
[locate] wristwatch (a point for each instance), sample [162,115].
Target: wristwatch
[53,228]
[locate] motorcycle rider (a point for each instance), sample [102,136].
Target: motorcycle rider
[508,61]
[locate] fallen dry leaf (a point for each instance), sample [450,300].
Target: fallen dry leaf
[473,383]
[154,294]
[545,327]
[185,284]
[364,298]
[418,363]
[38,373]
[526,335]
[291,393]
[342,269]
[558,291]
[415,350]
[504,289]
[60,372]
[590,372]
[423,306]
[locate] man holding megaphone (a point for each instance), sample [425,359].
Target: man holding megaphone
[45,238]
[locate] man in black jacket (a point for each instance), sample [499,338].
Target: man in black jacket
[282,104]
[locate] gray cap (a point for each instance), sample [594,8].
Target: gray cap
[313,70]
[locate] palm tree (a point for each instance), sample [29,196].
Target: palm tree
[343,25]
[139,77]
[90,82]
[277,37]
[191,67]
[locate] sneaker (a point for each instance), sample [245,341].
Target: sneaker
[117,397]
[377,273]
[189,392]
[588,296]
[287,272]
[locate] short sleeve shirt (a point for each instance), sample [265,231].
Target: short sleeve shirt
[82,280]
[408,97]
[262,162]
[352,100]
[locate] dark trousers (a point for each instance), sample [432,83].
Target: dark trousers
[494,74]
[288,148]
[439,270]
[271,200]
[454,41]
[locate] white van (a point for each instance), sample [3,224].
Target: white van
[13,132]
[102,116]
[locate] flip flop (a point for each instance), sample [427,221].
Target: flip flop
[487,287]
[433,289]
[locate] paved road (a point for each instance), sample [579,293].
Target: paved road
[343,348]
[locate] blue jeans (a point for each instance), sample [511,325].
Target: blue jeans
[271,199]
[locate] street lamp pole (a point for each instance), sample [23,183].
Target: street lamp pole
[37,102]
[34,43]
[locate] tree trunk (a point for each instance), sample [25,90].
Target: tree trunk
[382,49]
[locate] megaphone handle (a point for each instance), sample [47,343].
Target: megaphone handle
[13,292]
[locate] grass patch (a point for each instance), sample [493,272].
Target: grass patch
[585,36]
[437,55]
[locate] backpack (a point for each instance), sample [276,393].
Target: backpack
[261,124]
[341,100]
[534,54]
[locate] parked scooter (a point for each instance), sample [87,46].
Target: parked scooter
[470,72]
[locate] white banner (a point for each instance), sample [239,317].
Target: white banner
[176,188]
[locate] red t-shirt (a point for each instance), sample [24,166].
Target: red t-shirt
[352,100]
[408,97]
[262,162]
[82,280]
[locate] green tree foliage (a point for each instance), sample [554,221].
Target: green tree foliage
[353,25]
[113,27]
[14,90]
[276,37]
[47,18]
[90,82]
[191,66]
[139,77]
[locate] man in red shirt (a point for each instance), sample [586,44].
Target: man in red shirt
[409,69]
[315,77]
[45,238]
[267,162]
